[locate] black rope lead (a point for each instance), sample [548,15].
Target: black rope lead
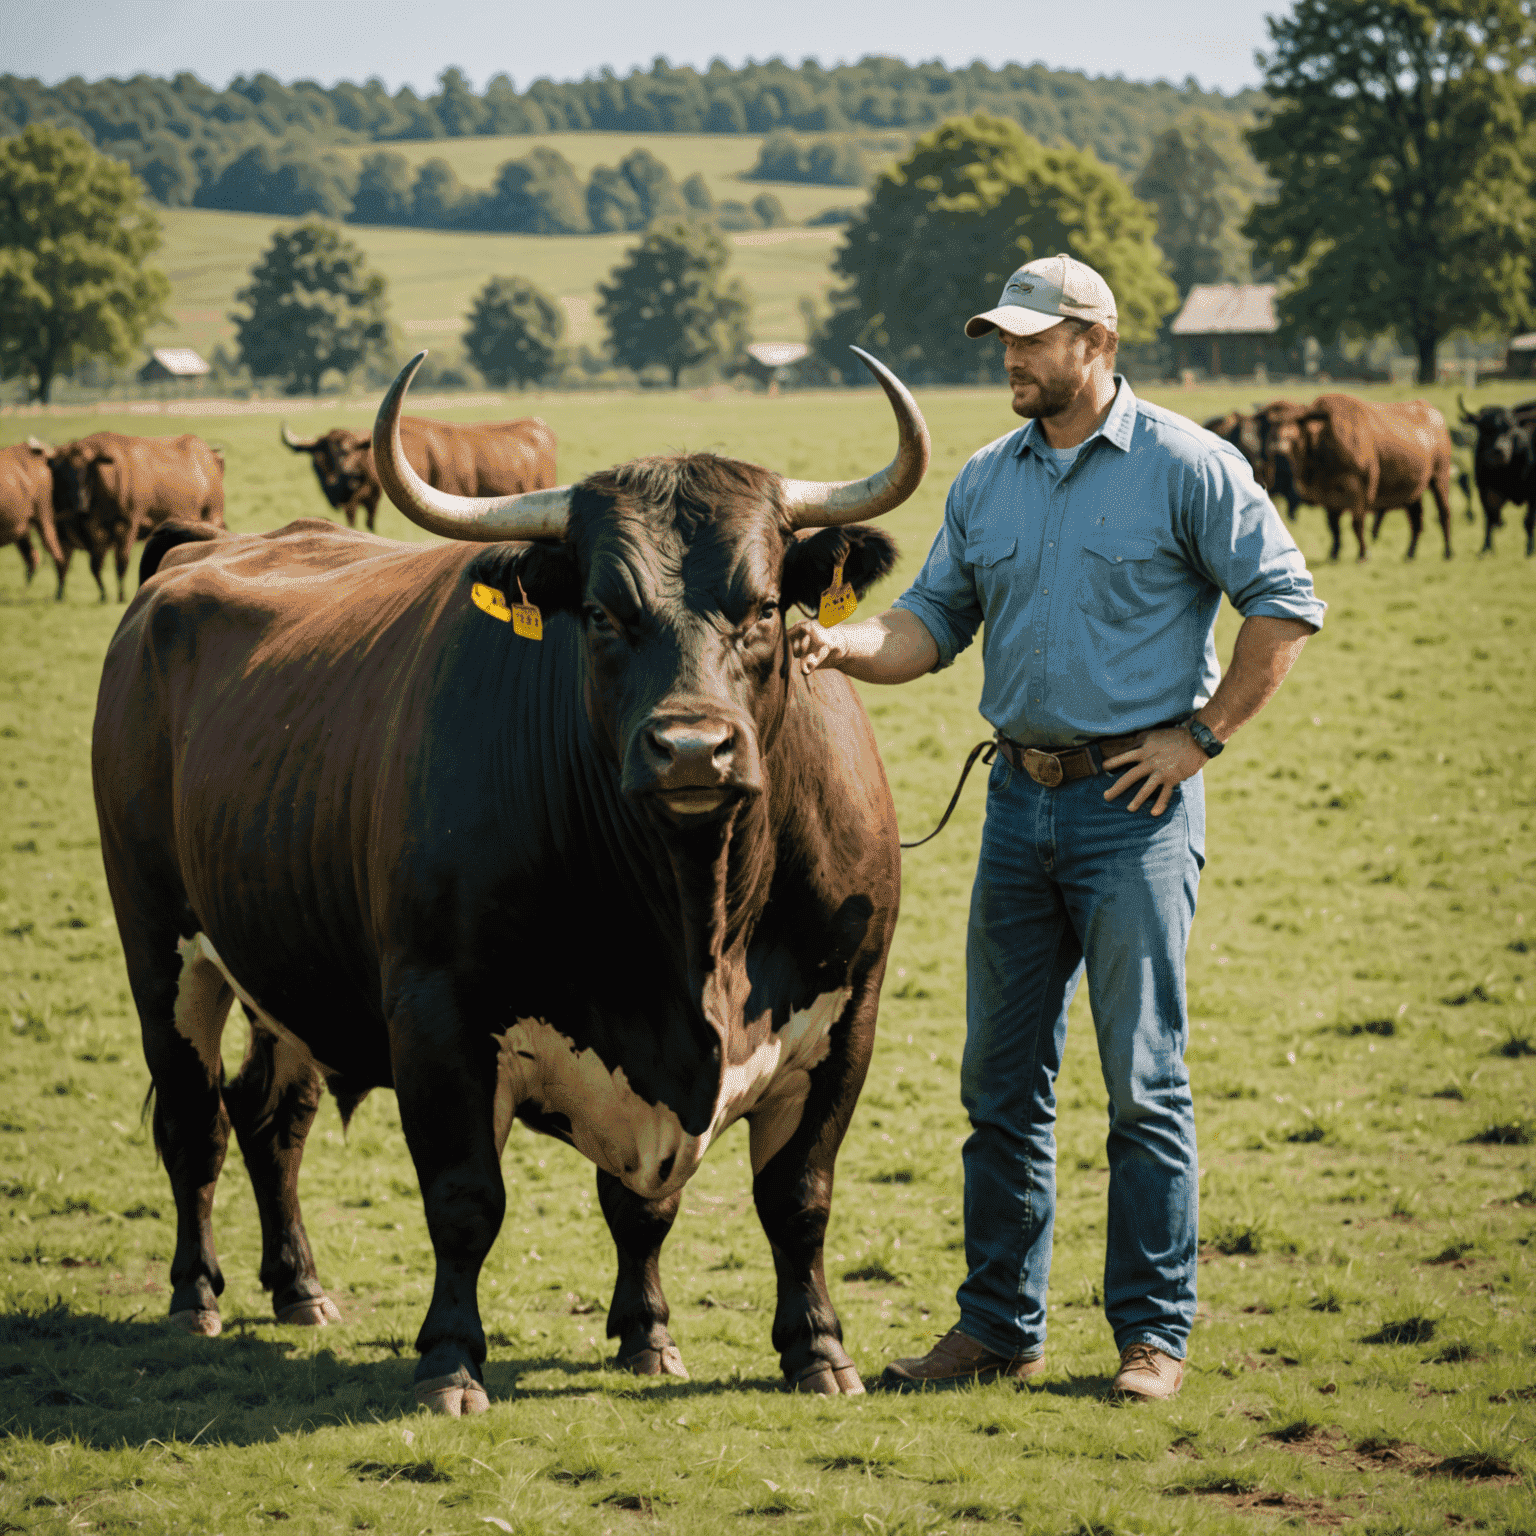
[990,748]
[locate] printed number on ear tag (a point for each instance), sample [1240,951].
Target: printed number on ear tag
[527,621]
[489,600]
[837,602]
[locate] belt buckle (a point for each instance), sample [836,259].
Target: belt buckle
[1043,767]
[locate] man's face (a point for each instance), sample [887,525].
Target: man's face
[1048,370]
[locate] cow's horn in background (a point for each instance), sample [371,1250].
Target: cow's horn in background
[1466,415]
[826,503]
[298,444]
[484,519]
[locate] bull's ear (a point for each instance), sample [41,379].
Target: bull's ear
[550,577]
[867,553]
[102,458]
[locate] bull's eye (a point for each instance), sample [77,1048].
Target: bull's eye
[768,612]
[597,619]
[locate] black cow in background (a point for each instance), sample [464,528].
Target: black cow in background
[1504,465]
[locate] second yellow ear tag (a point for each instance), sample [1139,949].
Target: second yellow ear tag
[489,600]
[527,621]
[837,602]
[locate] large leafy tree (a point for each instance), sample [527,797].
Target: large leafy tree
[1400,141]
[313,305]
[669,303]
[74,236]
[975,199]
[514,333]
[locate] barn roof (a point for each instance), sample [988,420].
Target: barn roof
[181,361]
[1225,309]
[1526,343]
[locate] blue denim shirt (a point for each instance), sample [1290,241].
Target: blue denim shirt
[1099,586]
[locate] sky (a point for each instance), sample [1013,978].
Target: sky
[411,43]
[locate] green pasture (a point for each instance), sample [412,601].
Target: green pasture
[1363,1051]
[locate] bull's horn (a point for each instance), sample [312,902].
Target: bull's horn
[825,503]
[37,445]
[1466,415]
[485,519]
[298,444]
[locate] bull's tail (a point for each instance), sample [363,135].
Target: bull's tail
[166,537]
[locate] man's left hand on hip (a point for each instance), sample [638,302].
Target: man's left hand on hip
[1164,759]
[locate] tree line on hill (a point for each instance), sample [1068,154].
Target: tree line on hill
[539,193]
[179,134]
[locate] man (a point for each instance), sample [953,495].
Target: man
[1094,543]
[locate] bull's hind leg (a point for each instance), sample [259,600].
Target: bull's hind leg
[1440,489]
[639,1313]
[1335,520]
[183,1001]
[1415,511]
[272,1104]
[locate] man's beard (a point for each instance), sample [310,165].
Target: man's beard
[1051,398]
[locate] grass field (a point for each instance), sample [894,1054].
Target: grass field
[1364,1059]
[434,274]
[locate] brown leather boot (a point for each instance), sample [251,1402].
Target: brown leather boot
[1146,1373]
[955,1361]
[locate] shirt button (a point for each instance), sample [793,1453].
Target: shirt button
[1117,559]
[1050,546]
[1037,650]
[1045,591]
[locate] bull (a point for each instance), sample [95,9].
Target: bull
[493,458]
[1350,455]
[626,884]
[26,505]
[111,490]
[1272,469]
[1504,465]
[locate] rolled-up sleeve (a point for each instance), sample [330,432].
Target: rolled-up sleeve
[1238,540]
[943,598]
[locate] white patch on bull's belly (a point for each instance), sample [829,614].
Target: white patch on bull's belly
[203,975]
[614,1127]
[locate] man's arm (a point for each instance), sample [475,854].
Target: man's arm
[893,647]
[1265,650]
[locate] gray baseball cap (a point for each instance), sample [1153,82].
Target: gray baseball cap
[1045,292]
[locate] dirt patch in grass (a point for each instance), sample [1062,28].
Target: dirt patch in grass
[1239,1493]
[1407,1330]
[1474,1467]
[403,1472]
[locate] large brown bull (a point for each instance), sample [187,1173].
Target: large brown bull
[625,884]
[26,505]
[488,458]
[110,490]
[1350,455]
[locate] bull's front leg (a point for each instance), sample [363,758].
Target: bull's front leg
[792,1188]
[445,1083]
[639,1313]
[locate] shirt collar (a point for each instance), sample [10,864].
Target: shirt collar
[1117,427]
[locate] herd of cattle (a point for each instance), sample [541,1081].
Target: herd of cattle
[1349,455]
[104,492]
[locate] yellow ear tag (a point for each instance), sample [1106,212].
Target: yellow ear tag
[489,600]
[837,602]
[527,621]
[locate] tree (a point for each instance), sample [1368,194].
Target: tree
[383,193]
[74,237]
[669,303]
[975,199]
[314,305]
[1399,140]
[515,332]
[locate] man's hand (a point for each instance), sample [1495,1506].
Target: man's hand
[1164,759]
[813,645]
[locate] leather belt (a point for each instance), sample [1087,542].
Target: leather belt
[1062,767]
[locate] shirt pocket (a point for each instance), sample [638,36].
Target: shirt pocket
[1118,579]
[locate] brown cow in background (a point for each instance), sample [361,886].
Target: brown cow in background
[489,458]
[110,490]
[1353,456]
[26,504]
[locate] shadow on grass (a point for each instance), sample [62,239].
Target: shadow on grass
[108,1383]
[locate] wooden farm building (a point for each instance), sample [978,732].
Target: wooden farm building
[173,365]
[1520,360]
[1229,329]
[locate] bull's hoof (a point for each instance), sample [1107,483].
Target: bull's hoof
[312,1312]
[453,1395]
[666,1361]
[827,1380]
[198,1321]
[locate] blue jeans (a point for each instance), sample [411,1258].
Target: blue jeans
[1066,880]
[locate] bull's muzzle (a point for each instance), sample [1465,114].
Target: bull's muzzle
[693,762]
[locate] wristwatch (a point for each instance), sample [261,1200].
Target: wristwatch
[1205,737]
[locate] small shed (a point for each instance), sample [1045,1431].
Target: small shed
[173,364]
[773,358]
[1226,328]
[1520,361]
